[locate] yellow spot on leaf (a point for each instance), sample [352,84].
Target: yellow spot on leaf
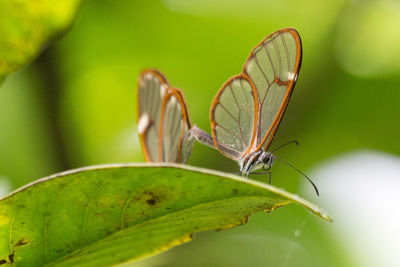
[4,220]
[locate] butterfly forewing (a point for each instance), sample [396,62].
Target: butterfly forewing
[162,119]
[247,110]
[273,66]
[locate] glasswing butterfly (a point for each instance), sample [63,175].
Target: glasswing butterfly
[245,113]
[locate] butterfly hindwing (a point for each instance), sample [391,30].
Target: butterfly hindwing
[232,114]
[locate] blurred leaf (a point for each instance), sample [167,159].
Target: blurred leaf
[27,26]
[375,21]
[26,138]
[114,213]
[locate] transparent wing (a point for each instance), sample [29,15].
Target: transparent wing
[247,110]
[162,119]
[273,66]
[152,86]
[176,144]
[232,114]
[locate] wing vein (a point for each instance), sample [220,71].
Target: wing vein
[150,96]
[227,130]
[174,128]
[286,52]
[237,121]
[230,115]
[152,108]
[159,103]
[234,97]
[244,92]
[270,60]
[278,54]
[152,124]
[262,71]
[240,111]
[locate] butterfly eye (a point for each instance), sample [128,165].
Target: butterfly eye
[267,160]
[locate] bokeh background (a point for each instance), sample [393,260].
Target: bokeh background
[75,105]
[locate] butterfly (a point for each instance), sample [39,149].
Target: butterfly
[245,113]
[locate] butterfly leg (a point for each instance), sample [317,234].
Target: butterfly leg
[268,173]
[269,177]
[262,173]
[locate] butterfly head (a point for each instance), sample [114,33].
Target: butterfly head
[256,160]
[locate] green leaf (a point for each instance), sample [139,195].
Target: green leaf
[27,26]
[109,214]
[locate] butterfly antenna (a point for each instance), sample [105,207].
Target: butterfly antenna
[287,163]
[285,144]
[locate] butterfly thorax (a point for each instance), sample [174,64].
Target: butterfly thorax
[255,160]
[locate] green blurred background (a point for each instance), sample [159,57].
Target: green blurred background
[75,105]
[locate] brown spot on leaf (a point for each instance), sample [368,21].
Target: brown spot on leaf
[151,201]
[2,262]
[152,196]
[11,258]
[20,243]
